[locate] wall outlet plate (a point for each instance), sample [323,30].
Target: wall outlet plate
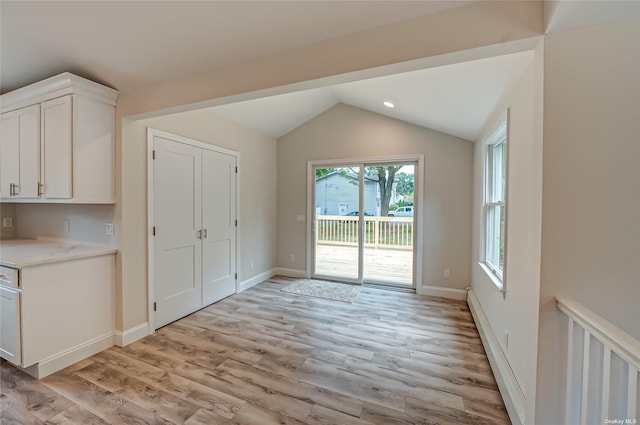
[108,229]
[7,222]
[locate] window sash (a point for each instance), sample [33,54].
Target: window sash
[494,202]
[494,237]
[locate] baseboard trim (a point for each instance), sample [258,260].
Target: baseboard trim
[281,271]
[133,334]
[68,357]
[509,389]
[437,291]
[253,281]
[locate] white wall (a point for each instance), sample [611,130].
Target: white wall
[515,311]
[347,132]
[86,222]
[7,211]
[591,190]
[257,197]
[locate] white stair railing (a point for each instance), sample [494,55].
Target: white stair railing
[602,369]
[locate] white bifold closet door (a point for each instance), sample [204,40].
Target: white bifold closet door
[194,202]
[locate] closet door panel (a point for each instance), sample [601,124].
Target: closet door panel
[219,224]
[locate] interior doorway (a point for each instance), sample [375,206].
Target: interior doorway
[364,222]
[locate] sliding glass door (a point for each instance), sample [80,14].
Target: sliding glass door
[363,223]
[337,222]
[388,236]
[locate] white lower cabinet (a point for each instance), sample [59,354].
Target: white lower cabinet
[65,313]
[10,346]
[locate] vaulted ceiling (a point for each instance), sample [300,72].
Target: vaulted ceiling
[455,99]
[130,45]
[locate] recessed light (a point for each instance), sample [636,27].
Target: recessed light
[388,104]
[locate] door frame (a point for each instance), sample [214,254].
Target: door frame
[419,202]
[151,133]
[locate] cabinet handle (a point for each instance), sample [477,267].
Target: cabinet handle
[13,189]
[205,233]
[40,192]
[200,234]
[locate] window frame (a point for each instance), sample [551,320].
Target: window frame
[499,136]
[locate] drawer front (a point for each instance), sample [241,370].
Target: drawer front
[9,277]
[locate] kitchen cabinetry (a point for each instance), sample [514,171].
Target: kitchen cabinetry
[62,308]
[20,155]
[58,142]
[10,341]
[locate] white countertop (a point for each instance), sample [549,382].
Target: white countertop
[31,252]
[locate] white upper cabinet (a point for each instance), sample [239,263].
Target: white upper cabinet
[57,142]
[20,153]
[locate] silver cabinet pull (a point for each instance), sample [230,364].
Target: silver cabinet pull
[40,189]
[14,189]
[205,233]
[200,234]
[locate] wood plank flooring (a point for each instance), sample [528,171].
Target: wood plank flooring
[267,357]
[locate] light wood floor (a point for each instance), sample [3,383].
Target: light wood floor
[267,357]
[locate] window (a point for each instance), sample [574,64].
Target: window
[495,194]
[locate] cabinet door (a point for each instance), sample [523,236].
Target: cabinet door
[56,148]
[10,347]
[21,152]
[9,153]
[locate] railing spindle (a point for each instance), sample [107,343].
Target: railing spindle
[585,377]
[606,381]
[632,392]
[569,388]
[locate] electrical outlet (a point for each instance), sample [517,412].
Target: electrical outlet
[506,338]
[108,229]
[7,222]
[447,274]
[67,225]
[292,258]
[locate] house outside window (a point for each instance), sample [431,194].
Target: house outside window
[495,202]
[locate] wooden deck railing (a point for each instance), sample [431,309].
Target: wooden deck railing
[379,232]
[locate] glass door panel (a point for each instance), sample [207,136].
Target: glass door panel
[388,224]
[337,223]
